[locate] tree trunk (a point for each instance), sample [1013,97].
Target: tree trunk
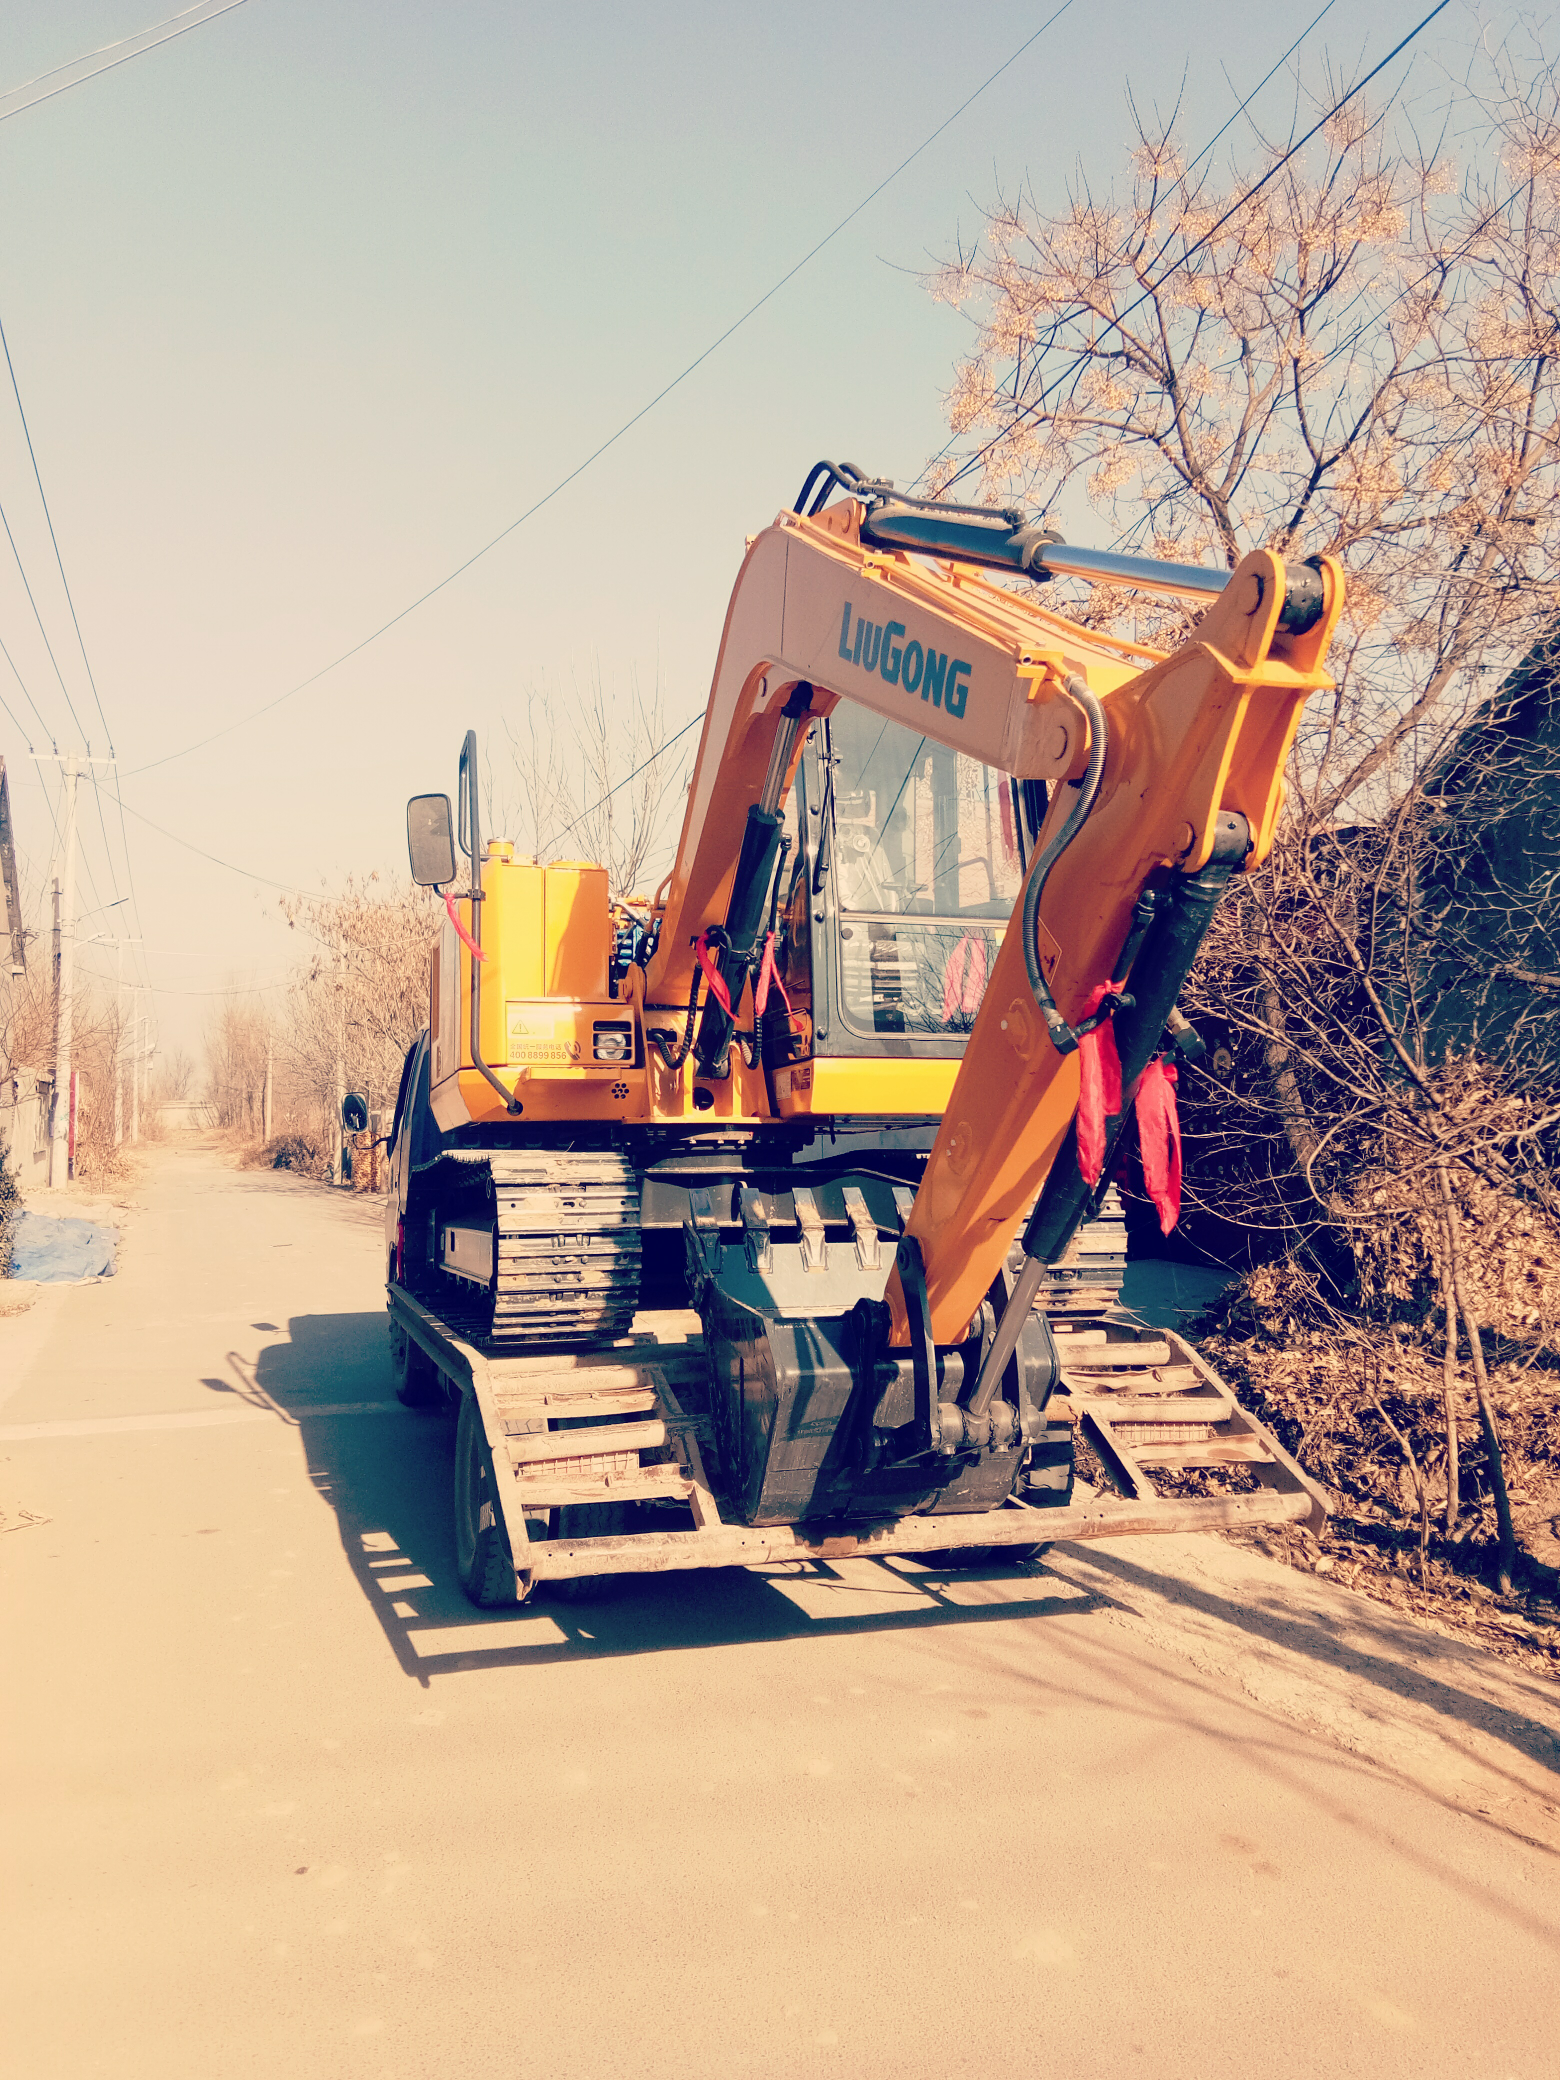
[1448,1390]
[1481,1381]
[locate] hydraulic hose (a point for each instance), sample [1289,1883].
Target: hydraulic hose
[1063,1038]
[675,1055]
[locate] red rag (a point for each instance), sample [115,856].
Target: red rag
[1159,1139]
[712,974]
[964,979]
[768,973]
[461,932]
[1099,1085]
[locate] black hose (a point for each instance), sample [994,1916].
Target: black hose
[1063,1038]
[675,1057]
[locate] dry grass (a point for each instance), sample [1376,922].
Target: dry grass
[1344,1393]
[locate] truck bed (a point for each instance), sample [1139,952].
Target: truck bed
[625,1424]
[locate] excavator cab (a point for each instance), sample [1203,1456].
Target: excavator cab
[915,855]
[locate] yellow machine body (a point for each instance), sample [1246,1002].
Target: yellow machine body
[1192,733]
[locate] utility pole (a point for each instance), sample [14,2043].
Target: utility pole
[10,887]
[119,1043]
[60,1148]
[337,1140]
[135,1077]
[265,1103]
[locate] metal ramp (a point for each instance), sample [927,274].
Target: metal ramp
[626,1424]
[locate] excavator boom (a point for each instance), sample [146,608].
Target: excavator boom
[1164,781]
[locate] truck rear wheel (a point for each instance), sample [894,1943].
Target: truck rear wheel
[587,1520]
[483,1558]
[982,1556]
[418,1383]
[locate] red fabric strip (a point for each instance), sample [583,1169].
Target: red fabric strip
[1099,1085]
[1159,1138]
[768,973]
[712,974]
[461,932]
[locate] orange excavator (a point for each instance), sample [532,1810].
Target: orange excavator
[769,1216]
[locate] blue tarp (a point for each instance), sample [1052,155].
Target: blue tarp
[56,1250]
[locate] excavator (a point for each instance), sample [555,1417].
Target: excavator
[770,1217]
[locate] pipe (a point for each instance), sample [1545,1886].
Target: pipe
[1063,1039]
[471,841]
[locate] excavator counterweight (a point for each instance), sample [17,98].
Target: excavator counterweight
[758,1215]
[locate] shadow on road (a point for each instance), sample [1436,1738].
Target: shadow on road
[388,1478]
[1285,1626]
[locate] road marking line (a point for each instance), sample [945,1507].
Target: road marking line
[190,1419]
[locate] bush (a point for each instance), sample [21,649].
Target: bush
[10,1207]
[291,1152]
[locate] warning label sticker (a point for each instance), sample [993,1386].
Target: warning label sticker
[533,1039]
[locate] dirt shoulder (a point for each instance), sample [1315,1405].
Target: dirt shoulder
[1477,1730]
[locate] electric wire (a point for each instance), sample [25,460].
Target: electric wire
[98,71]
[43,499]
[59,560]
[16,675]
[634,775]
[4,703]
[286,888]
[27,588]
[158,989]
[628,425]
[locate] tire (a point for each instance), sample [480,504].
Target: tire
[587,1520]
[983,1556]
[418,1381]
[483,1560]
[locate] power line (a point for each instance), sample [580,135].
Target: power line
[634,775]
[156,989]
[16,675]
[43,499]
[70,704]
[4,703]
[99,70]
[628,424]
[285,887]
[54,539]
[1197,246]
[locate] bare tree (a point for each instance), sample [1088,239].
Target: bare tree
[236,1044]
[598,785]
[175,1076]
[357,1000]
[1357,356]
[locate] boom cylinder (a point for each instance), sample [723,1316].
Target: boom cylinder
[750,884]
[1161,967]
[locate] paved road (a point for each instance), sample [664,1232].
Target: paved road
[278,1802]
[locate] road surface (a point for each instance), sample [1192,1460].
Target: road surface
[280,1803]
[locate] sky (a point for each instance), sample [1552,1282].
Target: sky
[310,304]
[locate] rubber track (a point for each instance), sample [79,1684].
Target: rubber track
[568,1247]
[1088,1280]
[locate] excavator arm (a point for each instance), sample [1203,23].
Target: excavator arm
[1167,777]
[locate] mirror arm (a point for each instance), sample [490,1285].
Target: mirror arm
[471,842]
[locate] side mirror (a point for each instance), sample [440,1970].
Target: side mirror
[354,1113]
[430,840]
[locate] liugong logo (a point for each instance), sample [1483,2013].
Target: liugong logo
[910,665]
